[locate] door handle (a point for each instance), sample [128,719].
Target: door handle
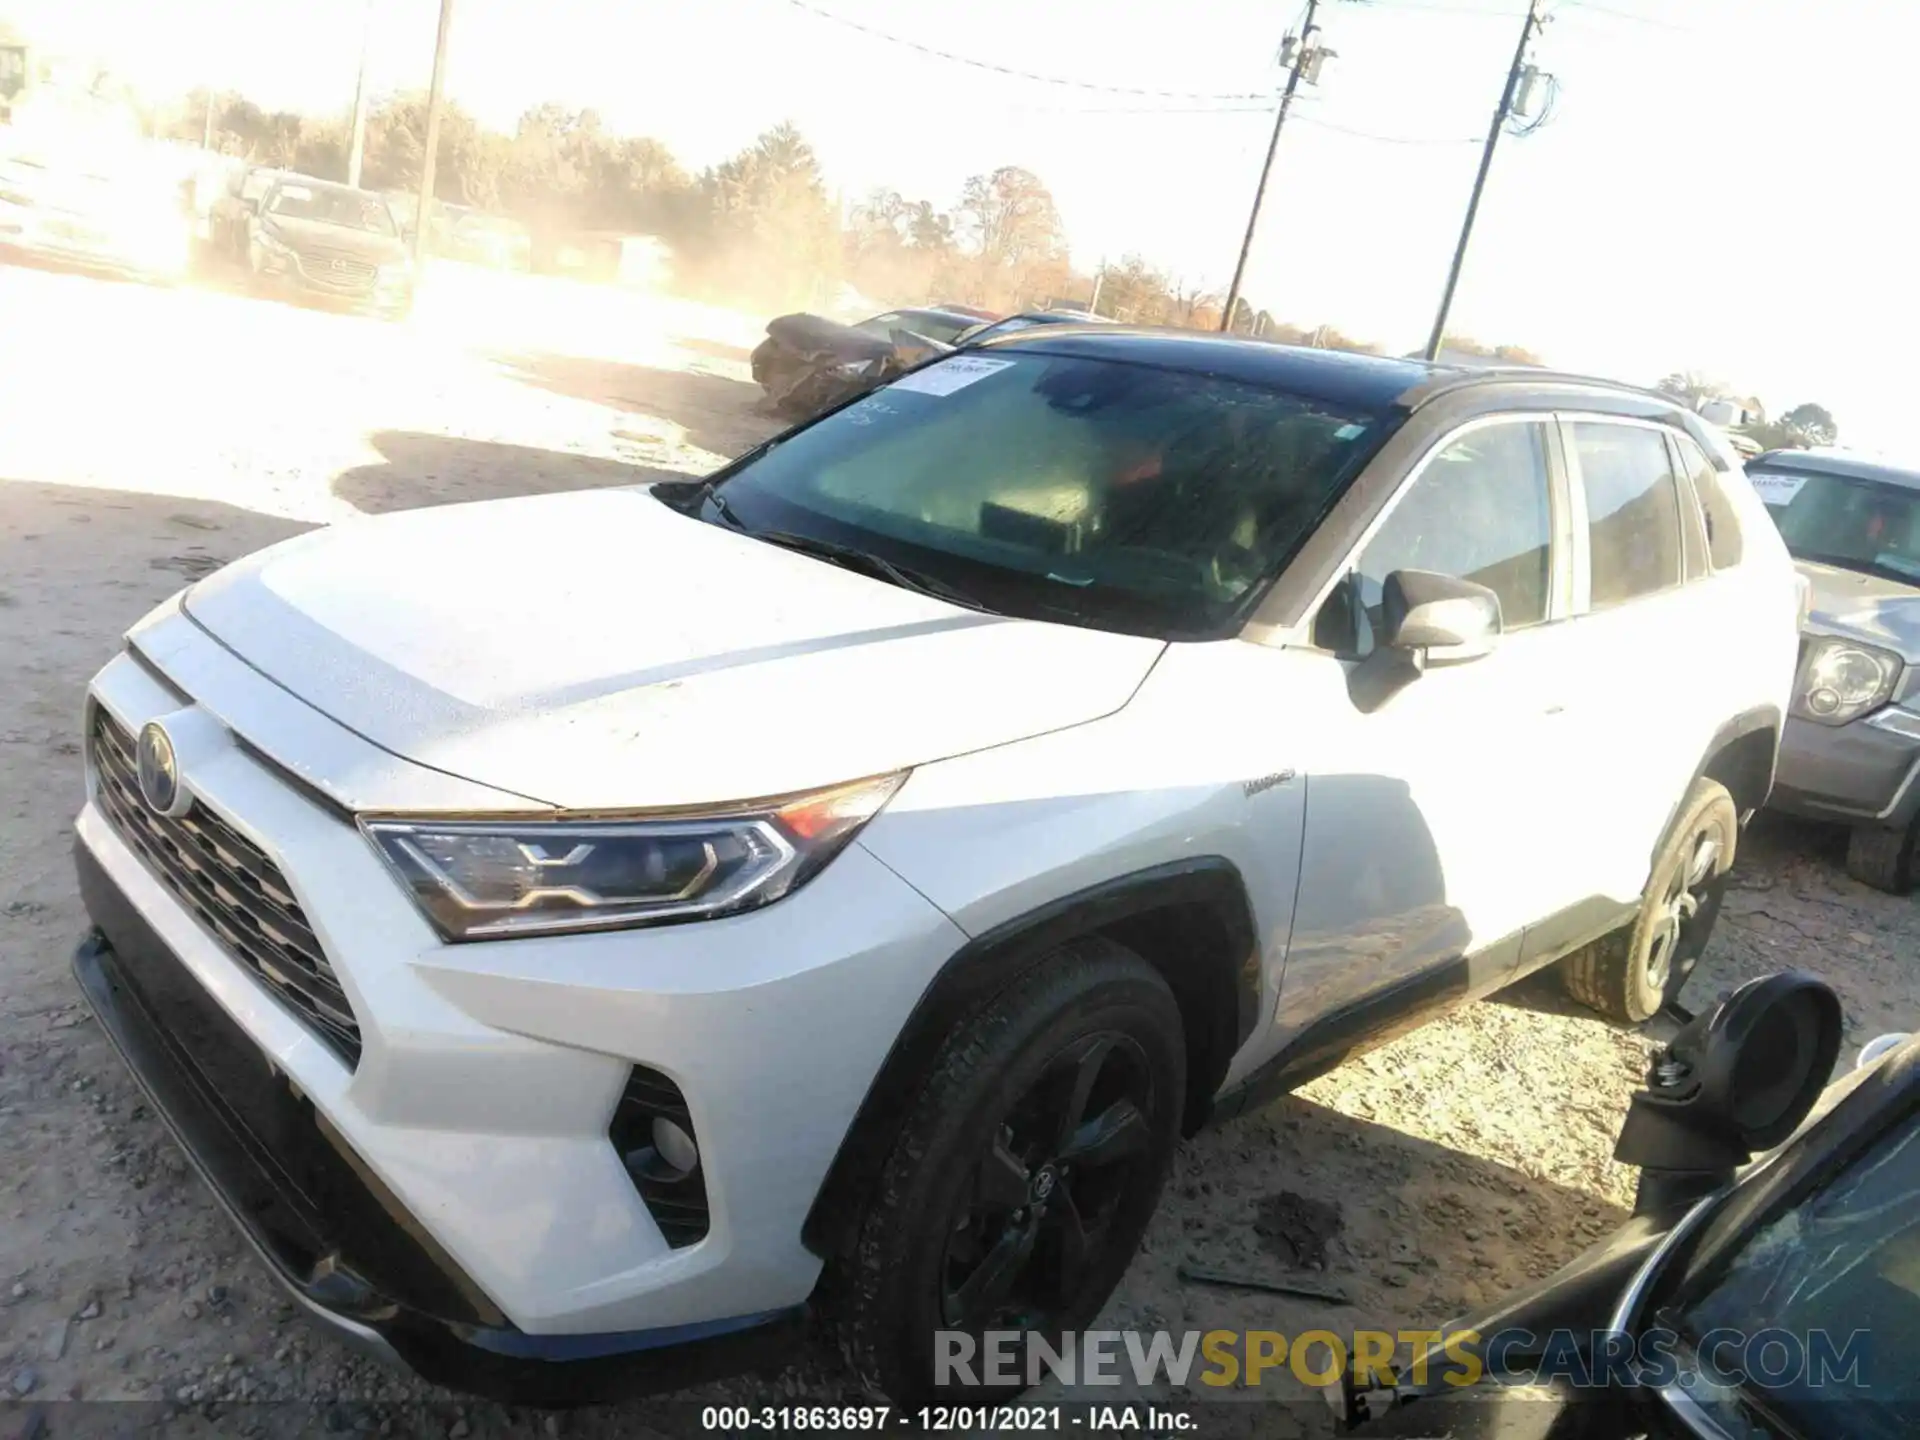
[1556,710]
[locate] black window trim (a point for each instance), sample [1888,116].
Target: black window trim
[1564,421]
[1559,518]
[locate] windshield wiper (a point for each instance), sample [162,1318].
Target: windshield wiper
[865,562]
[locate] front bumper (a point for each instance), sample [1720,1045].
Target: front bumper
[309,280]
[488,1074]
[335,1241]
[1853,773]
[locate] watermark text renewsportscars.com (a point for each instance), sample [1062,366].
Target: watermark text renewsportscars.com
[1248,1359]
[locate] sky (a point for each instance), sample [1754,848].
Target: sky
[1718,188]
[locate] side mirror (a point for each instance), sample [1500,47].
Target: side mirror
[1423,612]
[1734,1082]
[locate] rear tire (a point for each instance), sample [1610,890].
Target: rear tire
[1634,973]
[1042,1138]
[1885,859]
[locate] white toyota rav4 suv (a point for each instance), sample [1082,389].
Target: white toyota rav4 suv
[578,936]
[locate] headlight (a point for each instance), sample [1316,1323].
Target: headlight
[1841,680]
[273,244]
[853,369]
[488,879]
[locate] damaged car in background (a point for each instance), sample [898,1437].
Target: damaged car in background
[1851,750]
[809,363]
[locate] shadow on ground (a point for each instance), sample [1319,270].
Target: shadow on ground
[420,470]
[713,349]
[718,414]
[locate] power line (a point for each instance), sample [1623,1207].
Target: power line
[1140,109]
[1389,139]
[988,65]
[1629,15]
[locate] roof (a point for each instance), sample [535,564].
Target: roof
[1340,377]
[1363,381]
[1471,360]
[957,317]
[1843,463]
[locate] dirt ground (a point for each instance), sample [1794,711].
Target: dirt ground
[149,435]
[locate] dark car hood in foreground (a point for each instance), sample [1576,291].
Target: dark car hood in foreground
[343,239]
[1874,608]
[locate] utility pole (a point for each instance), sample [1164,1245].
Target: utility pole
[434,97]
[206,124]
[1099,279]
[1530,26]
[356,152]
[1303,58]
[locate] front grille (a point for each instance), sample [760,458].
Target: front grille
[342,272]
[231,887]
[674,1195]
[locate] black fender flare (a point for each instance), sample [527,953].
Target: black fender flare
[1218,986]
[1755,721]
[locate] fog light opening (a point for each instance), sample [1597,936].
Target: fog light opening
[675,1148]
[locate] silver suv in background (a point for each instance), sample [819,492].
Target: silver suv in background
[1851,752]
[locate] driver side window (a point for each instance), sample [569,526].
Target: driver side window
[1478,510]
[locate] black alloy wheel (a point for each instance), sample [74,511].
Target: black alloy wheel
[1039,1213]
[1021,1181]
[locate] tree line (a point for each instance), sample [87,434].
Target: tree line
[1799,428]
[762,229]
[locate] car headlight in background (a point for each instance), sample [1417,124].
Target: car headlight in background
[493,879]
[1841,680]
[274,245]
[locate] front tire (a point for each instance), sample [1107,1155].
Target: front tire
[1633,974]
[1887,860]
[1025,1176]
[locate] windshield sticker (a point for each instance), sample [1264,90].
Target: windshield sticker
[1776,489]
[295,192]
[1347,432]
[866,411]
[950,375]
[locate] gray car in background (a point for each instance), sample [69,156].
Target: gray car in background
[1851,751]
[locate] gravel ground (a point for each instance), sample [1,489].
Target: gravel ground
[147,436]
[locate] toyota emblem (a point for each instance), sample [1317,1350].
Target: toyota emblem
[158,769]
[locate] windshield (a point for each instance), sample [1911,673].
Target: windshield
[934,327]
[329,206]
[1834,1283]
[1008,326]
[1862,524]
[1120,496]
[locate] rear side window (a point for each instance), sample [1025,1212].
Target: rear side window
[1479,510]
[1633,511]
[1724,546]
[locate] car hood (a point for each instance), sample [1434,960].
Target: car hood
[599,650]
[1874,608]
[362,245]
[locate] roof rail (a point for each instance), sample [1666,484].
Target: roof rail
[1444,381]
